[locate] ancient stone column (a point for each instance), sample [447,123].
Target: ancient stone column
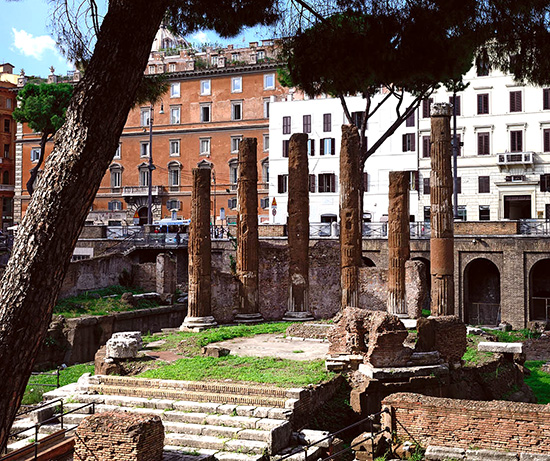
[247,233]
[199,298]
[298,229]
[350,225]
[442,231]
[398,241]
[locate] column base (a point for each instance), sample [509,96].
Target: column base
[249,318]
[198,323]
[291,316]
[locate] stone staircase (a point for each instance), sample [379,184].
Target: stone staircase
[212,420]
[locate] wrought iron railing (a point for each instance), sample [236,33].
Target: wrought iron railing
[534,226]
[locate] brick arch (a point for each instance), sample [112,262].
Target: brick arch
[481,291]
[538,287]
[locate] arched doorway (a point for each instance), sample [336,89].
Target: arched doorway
[539,290]
[143,216]
[482,293]
[367,262]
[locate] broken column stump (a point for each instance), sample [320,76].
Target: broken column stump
[247,233]
[350,222]
[199,302]
[398,241]
[298,230]
[442,230]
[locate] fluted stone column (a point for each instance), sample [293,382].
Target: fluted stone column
[350,223]
[247,233]
[199,300]
[442,230]
[298,229]
[398,241]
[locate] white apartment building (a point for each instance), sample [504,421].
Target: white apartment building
[504,163]
[321,119]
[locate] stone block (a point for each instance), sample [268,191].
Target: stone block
[533,457]
[215,351]
[121,348]
[490,455]
[436,453]
[501,348]
[130,334]
[446,334]
[402,372]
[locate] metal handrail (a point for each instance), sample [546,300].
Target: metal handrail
[45,404]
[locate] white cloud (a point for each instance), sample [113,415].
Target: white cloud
[201,37]
[30,45]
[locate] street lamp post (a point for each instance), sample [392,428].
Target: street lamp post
[151,168]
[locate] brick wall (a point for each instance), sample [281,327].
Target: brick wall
[487,228]
[120,436]
[495,425]
[272,230]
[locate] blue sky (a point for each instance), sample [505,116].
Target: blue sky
[27,42]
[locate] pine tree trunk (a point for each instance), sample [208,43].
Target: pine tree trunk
[84,147]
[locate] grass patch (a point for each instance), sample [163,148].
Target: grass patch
[189,343]
[95,302]
[426,312]
[472,356]
[266,370]
[33,392]
[538,380]
[513,336]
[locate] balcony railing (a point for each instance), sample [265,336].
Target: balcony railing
[141,190]
[515,158]
[534,227]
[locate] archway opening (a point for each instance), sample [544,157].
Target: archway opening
[367,262]
[142,213]
[482,293]
[539,290]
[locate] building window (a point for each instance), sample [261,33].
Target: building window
[408,142]
[205,88]
[269,81]
[546,139]
[8,103]
[357,118]
[234,57]
[266,143]
[312,183]
[426,186]
[175,113]
[327,122]
[232,203]
[266,107]
[482,66]
[236,85]
[459,185]
[115,205]
[35,154]
[144,176]
[144,149]
[484,213]
[545,182]
[427,214]
[409,121]
[483,143]
[151,69]
[6,151]
[236,110]
[328,146]
[427,107]
[483,185]
[286,125]
[426,146]
[515,101]
[173,205]
[516,141]
[457,108]
[282,184]
[174,174]
[260,55]
[307,124]
[235,141]
[458,143]
[233,173]
[172,67]
[546,98]
[214,60]
[116,177]
[265,171]
[144,116]
[175,90]
[205,112]
[204,144]
[483,103]
[461,212]
[327,182]
[118,152]
[174,148]
[311,147]
[286,143]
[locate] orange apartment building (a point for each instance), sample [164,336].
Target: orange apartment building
[7,138]
[215,98]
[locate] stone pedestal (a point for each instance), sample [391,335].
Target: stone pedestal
[442,231]
[350,229]
[398,241]
[199,301]
[247,233]
[298,230]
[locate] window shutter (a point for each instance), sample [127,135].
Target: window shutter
[425,146]
[546,98]
[426,186]
[546,140]
[459,185]
[480,144]
[312,183]
[280,184]
[332,182]
[285,147]
[110,206]
[312,149]
[543,186]
[416,181]
[332,146]
[322,147]
[404,143]
[413,142]
[365,181]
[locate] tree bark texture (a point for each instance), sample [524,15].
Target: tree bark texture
[247,233]
[200,252]
[83,149]
[298,229]
[350,234]
[442,230]
[398,240]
